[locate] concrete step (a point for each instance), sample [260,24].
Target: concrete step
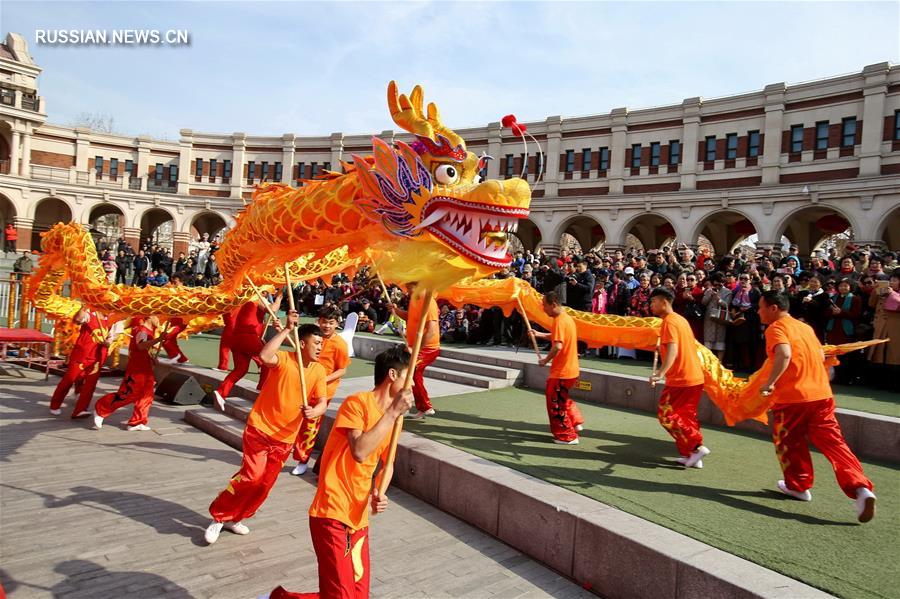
[488,358]
[497,372]
[223,427]
[466,378]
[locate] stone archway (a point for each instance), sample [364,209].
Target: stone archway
[651,230]
[581,234]
[47,213]
[724,230]
[890,229]
[157,227]
[526,237]
[107,224]
[7,211]
[811,226]
[208,222]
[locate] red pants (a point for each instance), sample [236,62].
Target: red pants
[137,389]
[248,489]
[80,373]
[224,350]
[563,413]
[793,424]
[244,348]
[306,438]
[170,344]
[677,414]
[426,357]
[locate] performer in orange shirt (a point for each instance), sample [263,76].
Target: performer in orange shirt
[565,418]
[804,409]
[431,344]
[138,383]
[334,358]
[684,380]
[338,516]
[246,344]
[175,327]
[271,426]
[85,362]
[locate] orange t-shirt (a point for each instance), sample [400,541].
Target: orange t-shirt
[806,378]
[276,412]
[565,363]
[334,356]
[685,370]
[414,314]
[345,485]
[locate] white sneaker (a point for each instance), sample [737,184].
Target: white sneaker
[220,401]
[237,528]
[417,415]
[98,422]
[55,412]
[139,427]
[560,442]
[579,428]
[212,532]
[219,370]
[682,460]
[430,412]
[802,496]
[699,453]
[299,470]
[865,504]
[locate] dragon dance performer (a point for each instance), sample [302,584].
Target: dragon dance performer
[225,340]
[85,361]
[272,426]
[565,418]
[804,409]
[175,327]
[334,358]
[245,343]
[338,516]
[137,385]
[683,374]
[431,344]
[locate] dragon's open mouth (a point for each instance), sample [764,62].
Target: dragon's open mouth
[477,231]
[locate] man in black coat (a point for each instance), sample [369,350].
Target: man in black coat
[580,290]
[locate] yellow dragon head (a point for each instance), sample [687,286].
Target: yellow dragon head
[431,189]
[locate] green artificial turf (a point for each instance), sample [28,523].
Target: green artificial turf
[626,460]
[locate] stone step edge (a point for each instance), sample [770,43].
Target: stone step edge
[597,546]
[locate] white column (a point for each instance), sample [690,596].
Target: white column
[771,158]
[690,137]
[551,159]
[143,161]
[287,157]
[617,146]
[26,151]
[873,118]
[82,149]
[14,153]
[495,148]
[185,153]
[337,150]
[238,156]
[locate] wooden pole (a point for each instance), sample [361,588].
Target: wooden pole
[655,360]
[407,384]
[528,327]
[387,296]
[269,308]
[11,308]
[290,292]
[158,348]
[23,304]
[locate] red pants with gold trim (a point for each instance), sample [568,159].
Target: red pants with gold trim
[677,413]
[137,389]
[245,347]
[427,356]
[306,438]
[80,373]
[263,459]
[793,424]
[564,415]
[170,344]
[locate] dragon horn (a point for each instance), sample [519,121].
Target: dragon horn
[407,113]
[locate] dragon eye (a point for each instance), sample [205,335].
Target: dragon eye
[446,174]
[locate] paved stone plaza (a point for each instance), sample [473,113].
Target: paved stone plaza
[113,513]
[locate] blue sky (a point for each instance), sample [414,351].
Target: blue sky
[313,68]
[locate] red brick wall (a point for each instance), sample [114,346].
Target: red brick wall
[53,159]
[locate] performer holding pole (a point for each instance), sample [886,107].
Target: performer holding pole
[338,516]
[272,425]
[85,361]
[334,358]
[565,418]
[421,309]
[804,409]
[290,291]
[138,382]
[683,374]
[528,328]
